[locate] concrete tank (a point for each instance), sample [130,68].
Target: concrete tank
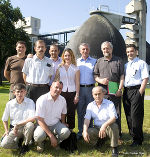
[94,31]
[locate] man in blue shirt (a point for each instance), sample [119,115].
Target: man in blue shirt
[103,112]
[136,78]
[87,82]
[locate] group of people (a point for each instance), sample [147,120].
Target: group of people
[55,87]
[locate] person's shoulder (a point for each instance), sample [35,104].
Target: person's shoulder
[108,102]
[11,57]
[61,98]
[29,101]
[100,59]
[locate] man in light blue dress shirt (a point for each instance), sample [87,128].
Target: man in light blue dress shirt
[104,115]
[87,82]
[136,78]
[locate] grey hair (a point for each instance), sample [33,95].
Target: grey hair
[83,44]
[106,42]
[101,88]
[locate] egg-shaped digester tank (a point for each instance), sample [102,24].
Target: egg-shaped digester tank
[94,31]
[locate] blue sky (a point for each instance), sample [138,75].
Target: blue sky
[57,15]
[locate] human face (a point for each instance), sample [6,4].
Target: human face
[21,49]
[20,94]
[98,95]
[107,50]
[84,50]
[56,89]
[40,49]
[67,57]
[54,52]
[131,53]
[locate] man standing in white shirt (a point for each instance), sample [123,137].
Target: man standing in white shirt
[136,78]
[21,111]
[51,110]
[37,72]
[56,60]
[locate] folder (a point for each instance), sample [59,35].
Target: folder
[112,87]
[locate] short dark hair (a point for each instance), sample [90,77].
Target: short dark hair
[131,45]
[19,86]
[55,45]
[39,41]
[21,42]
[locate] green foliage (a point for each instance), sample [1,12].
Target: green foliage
[9,35]
[84,150]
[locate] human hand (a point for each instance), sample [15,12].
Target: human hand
[102,132]
[86,136]
[76,100]
[15,130]
[105,81]
[118,93]
[53,141]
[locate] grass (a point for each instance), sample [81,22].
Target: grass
[84,150]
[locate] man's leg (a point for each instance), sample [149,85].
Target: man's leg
[93,135]
[28,132]
[137,114]
[61,131]
[112,132]
[10,141]
[80,110]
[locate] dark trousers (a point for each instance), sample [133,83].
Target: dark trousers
[34,92]
[71,107]
[133,104]
[117,103]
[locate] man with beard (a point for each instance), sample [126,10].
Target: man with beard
[37,72]
[110,68]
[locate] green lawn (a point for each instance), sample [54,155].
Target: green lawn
[84,150]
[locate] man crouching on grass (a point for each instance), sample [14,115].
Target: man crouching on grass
[103,112]
[21,112]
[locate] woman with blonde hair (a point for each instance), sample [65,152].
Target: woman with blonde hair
[69,74]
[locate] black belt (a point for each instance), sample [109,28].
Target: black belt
[133,87]
[87,85]
[37,85]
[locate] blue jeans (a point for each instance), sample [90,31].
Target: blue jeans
[85,97]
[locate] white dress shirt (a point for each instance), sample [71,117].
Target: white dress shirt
[135,71]
[102,114]
[68,78]
[55,65]
[38,71]
[19,112]
[49,109]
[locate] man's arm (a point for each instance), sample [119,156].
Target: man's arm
[143,85]
[44,126]
[103,81]
[85,130]
[5,123]
[24,77]
[119,92]
[102,131]
[7,74]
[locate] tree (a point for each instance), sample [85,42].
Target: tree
[9,35]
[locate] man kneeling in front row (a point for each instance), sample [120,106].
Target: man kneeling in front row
[50,111]
[103,112]
[21,111]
